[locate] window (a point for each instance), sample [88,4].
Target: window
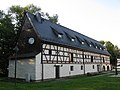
[50,52]
[60,35]
[71,57]
[82,42]
[81,67]
[90,45]
[87,42]
[103,59]
[91,58]
[93,67]
[71,68]
[72,39]
[93,44]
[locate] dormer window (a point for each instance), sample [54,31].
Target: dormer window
[72,39]
[90,45]
[83,42]
[96,47]
[104,49]
[93,44]
[60,35]
[87,43]
[80,40]
[100,48]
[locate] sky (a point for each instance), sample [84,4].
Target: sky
[98,19]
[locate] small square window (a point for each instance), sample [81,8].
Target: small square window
[71,68]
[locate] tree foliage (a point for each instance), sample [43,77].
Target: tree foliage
[10,25]
[6,40]
[113,50]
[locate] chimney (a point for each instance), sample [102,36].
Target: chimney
[38,17]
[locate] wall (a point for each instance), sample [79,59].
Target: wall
[24,66]
[49,70]
[38,67]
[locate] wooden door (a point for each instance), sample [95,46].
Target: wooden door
[57,72]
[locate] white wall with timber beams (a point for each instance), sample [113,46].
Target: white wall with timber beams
[71,62]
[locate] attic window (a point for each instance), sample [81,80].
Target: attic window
[80,40]
[90,45]
[72,39]
[104,48]
[60,35]
[57,33]
[87,42]
[83,42]
[93,44]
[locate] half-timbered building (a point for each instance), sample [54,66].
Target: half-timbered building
[48,50]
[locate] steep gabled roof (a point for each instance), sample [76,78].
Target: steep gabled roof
[51,32]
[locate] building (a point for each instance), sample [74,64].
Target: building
[48,51]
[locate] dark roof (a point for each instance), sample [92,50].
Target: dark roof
[51,32]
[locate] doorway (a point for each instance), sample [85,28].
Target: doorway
[103,68]
[98,68]
[107,68]
[57,72]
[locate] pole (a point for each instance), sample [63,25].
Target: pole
[16,49]
[42,62]
[15,65]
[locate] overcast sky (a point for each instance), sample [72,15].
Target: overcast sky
[98,19]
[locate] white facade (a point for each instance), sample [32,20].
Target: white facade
[24,67]
[59,62]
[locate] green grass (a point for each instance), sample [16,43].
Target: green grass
[77,83]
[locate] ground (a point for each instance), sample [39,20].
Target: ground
[98,82]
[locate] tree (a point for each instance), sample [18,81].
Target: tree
[6,40]
[10,25]
[17,13]
[113,50]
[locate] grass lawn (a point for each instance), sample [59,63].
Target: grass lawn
[76,83]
